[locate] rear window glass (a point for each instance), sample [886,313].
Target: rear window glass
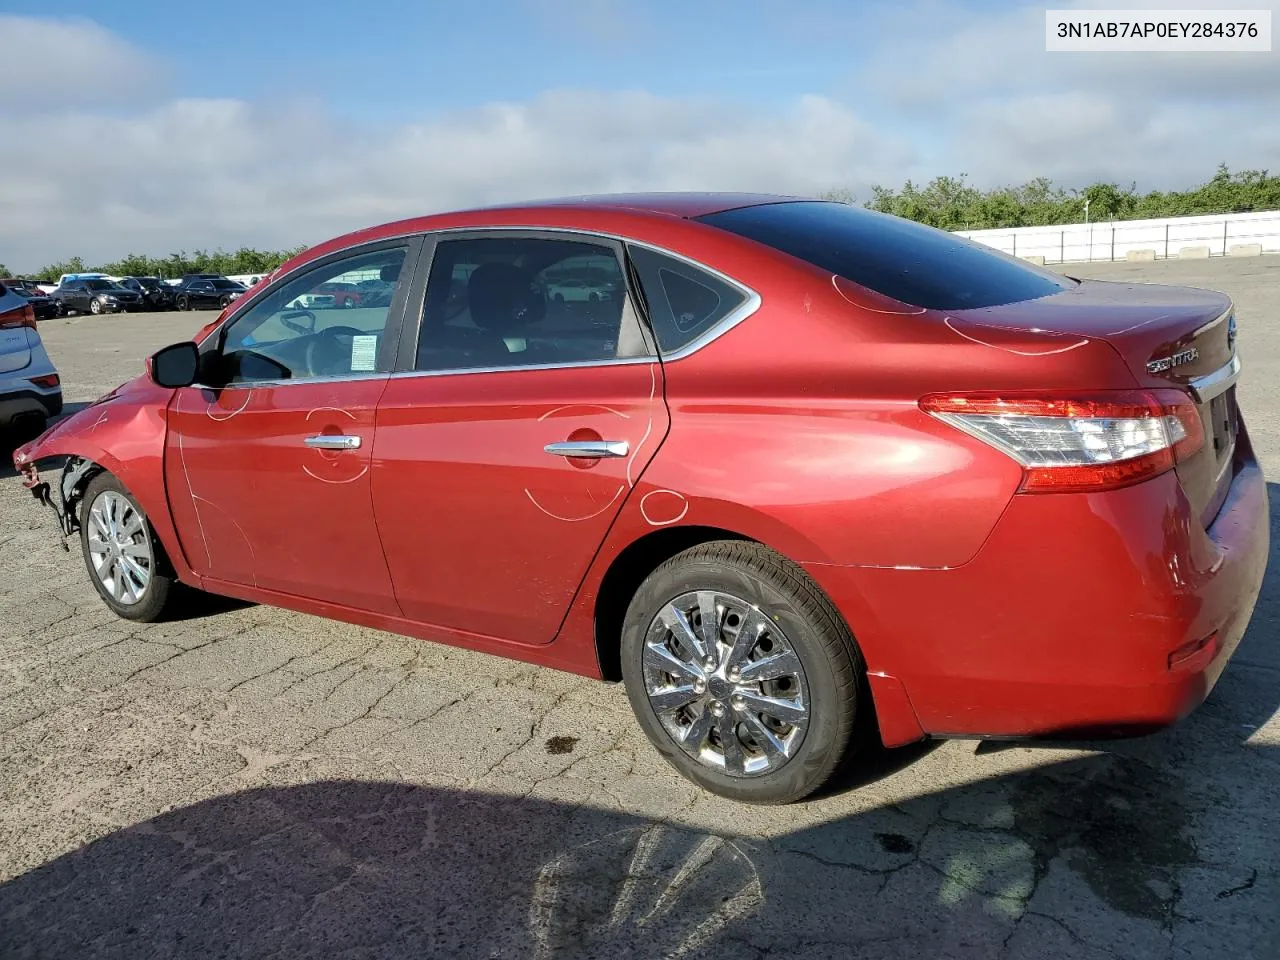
[684,302]
[907,261]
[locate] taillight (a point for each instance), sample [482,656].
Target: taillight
[1081,442]
[22,317]
[47,381]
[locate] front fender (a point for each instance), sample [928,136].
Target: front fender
[124,434]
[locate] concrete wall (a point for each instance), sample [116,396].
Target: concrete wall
[1114,241]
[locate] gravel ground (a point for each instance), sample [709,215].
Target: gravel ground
[253,782]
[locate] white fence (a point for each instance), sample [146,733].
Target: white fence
[1169,237]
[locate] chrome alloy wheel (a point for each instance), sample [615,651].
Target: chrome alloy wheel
[726,683]
[120,547]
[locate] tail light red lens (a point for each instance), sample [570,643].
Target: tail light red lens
[1082,442]
[49,380]
[21,317]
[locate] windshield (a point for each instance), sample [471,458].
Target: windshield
[222,283]
[100,285]
[907,261]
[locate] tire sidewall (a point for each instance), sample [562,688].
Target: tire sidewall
[827,735]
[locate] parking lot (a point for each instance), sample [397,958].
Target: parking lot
[252,782]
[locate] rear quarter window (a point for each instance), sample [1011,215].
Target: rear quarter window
[910,262]
[685,302]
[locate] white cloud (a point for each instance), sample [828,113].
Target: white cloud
[203,173]
[1002,109]
[49,63]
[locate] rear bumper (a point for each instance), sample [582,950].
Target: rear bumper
[18,405]
[1083,615]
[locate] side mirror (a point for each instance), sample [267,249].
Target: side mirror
[175,366]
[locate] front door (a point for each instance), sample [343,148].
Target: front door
[502,460]
[268,465]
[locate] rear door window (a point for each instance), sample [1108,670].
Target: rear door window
[685,302]
[911,263]
[503,301]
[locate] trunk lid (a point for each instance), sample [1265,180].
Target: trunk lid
[1168,337]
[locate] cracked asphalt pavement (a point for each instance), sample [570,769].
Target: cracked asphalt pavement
[252,782]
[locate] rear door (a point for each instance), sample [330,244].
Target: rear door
[506,450]
[75,296]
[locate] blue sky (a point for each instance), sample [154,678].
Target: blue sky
[275,124]
[439,56]
[411,60]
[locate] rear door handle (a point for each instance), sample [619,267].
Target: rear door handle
[329,441]
[589,449]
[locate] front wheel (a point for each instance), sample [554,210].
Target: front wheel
[741,672]
[95,307]
[222,303]
[126,562]
[183,303]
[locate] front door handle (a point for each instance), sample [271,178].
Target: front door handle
[589,449]
[329,441]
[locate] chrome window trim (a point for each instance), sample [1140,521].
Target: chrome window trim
[740,313]
[290,382]
[402,374]
[567,365]
[1217,383]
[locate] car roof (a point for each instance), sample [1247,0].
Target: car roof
[677,204]
[583,212]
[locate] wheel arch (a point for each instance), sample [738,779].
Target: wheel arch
[890,717]
[625,574]
[88,437]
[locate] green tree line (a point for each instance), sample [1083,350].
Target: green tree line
[951,203]
[244,260]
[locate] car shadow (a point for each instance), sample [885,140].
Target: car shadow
[1103,854]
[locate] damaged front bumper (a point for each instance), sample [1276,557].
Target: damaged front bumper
[68,486]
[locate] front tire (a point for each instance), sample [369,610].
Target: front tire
[95,307]
[741,672]
[126,562]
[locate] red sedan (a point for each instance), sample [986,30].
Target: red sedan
[814,472]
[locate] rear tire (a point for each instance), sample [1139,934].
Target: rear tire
[183,303]
[787,697]
[126,562]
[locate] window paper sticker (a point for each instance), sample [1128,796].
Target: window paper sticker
[364,352]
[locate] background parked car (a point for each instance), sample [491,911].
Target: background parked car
[206,291]
[578,290]
[96,295]
[44,306]
[155,294]
[327,295]
[30,391]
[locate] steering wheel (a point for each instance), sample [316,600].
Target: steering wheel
[289,318]
[329,350]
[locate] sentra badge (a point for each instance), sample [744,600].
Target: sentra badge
[1161,364]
